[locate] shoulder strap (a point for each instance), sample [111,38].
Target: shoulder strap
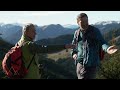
[77,35]
[31,61]
[32,57]
[90,31]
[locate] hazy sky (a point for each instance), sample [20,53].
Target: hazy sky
[55,17]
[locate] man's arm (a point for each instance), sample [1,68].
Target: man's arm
[47,48]
[105,46]
[101,40]
[74,42]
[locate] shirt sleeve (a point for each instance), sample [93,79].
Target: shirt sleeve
[35,48]
[74,41]
[101,40]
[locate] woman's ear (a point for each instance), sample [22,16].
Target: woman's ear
[24,33]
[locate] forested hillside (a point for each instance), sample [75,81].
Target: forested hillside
[109,66]
[60,65]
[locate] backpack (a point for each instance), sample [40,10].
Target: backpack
[101,52]
[13,64]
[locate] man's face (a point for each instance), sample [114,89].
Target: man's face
[31,32]
[83,22]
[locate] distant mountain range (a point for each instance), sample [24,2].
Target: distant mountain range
[112,37]
[12,32]
[106,26]
[70,26]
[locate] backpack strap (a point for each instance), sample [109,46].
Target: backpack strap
[32,57]
[77,33]
[31,61]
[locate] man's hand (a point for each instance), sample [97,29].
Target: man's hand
[112,49]
[75,56]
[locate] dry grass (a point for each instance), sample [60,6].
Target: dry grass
[62,54]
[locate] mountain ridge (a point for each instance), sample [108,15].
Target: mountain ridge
[12,32]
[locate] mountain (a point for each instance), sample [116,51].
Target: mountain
[117,38]
[4,47]
[12,32]
[115,33]
[60,40]
[112,36]
[57,65]
[106,26]
[52,31]
[107,22]
[9,32]
[70,26]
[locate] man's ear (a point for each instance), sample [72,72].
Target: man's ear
[77,22]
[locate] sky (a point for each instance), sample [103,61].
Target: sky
[56,17]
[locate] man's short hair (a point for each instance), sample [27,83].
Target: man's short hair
[81,15]
[27,27]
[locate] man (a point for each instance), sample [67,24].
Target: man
[30,50]
[86,53]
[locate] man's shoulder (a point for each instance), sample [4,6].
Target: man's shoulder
[93,27]
[78,29]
